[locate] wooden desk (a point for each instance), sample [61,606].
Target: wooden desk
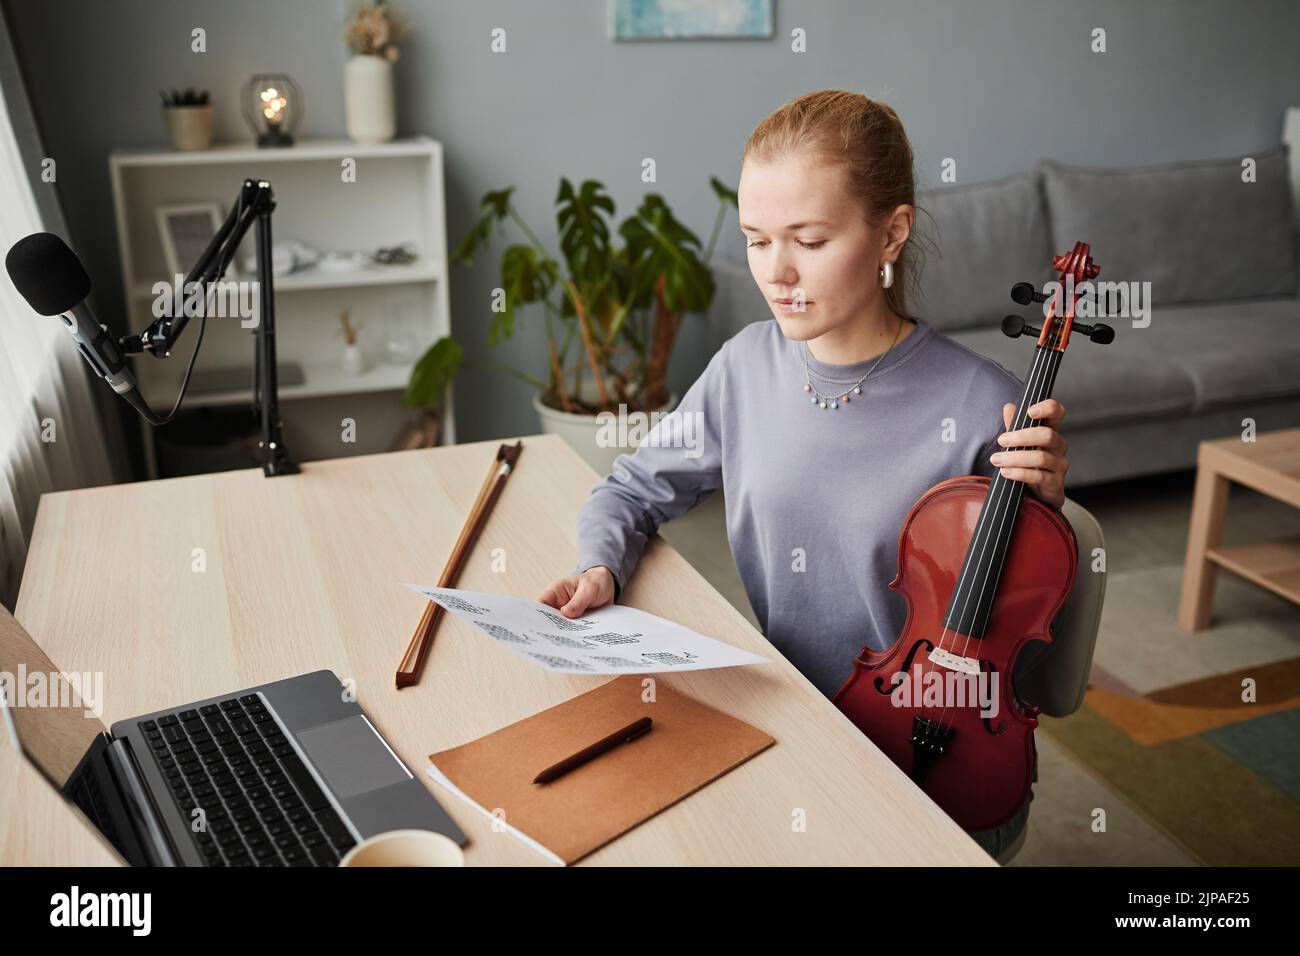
[306,572]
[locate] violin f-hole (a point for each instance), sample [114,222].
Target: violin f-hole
[886,689]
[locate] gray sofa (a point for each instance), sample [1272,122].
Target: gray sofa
[1223,340]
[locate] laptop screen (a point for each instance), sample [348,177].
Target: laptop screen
[51,718]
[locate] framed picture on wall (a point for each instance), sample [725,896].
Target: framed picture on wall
[678,20]
[185,231]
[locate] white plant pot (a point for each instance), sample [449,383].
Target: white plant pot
[354,362]
[369,100]
[595,440]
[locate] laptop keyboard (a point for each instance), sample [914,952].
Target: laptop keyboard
[263,807]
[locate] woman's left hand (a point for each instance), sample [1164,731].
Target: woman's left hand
[1042,463]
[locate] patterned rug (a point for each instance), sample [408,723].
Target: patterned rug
[1220,776]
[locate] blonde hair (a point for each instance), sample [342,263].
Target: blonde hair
[864,137]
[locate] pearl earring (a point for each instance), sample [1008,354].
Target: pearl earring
[887,274]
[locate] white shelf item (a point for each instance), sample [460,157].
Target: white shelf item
[321,279]
[319,379]
[396,197]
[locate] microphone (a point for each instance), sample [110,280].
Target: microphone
[51,278]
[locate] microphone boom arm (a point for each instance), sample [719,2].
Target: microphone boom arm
[253,206]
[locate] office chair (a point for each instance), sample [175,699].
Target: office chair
[1056,677]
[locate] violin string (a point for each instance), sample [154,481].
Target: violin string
[1009,508]
[994,509]
[989,513]
[1009,512]
[986,515]
[992,512]
[1055,367]
[1017,492]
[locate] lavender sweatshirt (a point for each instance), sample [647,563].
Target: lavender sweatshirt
[815,497]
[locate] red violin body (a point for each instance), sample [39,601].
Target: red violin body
[983,776]
[984,570]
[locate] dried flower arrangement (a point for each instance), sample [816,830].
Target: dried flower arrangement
[375,31]
[349,330]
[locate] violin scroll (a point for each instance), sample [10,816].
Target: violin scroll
[1075,268]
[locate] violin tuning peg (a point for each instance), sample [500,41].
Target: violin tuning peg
[1101,334]
[1023,293]
[1014,325]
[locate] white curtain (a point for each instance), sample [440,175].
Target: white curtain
[50,436]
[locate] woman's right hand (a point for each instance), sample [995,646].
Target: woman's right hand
[580,593]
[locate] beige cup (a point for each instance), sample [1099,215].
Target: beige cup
[405,848]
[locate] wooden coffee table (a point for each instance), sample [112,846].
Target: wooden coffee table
[1270,464]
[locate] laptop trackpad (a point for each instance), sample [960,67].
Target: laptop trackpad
[351,756]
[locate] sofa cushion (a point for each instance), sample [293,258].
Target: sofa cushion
[737,299]
[1194,230]
[1097,384]
[1232,351]
[989,236]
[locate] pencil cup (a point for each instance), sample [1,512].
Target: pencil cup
[405,848]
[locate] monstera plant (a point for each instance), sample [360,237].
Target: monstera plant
[612,302]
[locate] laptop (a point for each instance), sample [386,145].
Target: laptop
[291,773]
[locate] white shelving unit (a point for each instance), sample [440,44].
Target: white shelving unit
[397,197]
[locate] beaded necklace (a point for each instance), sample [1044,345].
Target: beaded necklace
[832,401]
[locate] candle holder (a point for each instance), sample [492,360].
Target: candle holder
[272,107]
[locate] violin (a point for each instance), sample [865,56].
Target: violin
[983,573]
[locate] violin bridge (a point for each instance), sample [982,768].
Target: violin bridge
[964,665]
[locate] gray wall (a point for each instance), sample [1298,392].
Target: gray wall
[995,84]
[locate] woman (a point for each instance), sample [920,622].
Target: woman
[827,422]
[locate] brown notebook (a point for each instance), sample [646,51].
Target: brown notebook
[689,745]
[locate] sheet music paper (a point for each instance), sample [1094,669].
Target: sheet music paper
[613,639]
